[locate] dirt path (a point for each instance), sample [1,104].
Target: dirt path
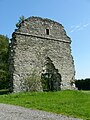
[11,112]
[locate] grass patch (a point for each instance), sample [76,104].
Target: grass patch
[71,103]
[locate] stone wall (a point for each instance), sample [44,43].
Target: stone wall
[36,39]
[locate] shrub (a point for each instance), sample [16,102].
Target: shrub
[33,82]
[21,20]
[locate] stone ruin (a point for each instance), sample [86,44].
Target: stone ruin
[41,46]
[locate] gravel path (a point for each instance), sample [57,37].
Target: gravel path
[11,112]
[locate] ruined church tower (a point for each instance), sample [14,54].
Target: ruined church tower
[35,40]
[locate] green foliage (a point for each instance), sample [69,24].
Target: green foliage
[83,84]
[50,77]
[32,82]
[71,103]
[21,20]
[4,43]
[4,74]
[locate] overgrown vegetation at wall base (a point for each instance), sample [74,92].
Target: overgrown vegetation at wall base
[71,103]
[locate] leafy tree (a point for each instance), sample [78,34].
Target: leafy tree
[83,84]
[4,74]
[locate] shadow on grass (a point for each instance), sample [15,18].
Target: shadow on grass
[5,91]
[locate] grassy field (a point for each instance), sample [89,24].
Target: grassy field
[70,103]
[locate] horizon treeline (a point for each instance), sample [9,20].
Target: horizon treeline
[83,84]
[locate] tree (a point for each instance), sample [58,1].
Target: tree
[4,74]
[83,84]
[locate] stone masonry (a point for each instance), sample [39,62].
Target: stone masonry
[35,40]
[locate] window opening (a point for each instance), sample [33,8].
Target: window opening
[47,31]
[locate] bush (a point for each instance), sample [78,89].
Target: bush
[33,83]
[21,20]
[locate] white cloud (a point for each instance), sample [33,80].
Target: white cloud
[86,25]
[78,27]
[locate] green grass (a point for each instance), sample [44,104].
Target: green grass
[71,103]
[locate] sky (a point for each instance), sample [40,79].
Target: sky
[74,15]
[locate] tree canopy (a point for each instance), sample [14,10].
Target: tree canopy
[83,84]
[4,74]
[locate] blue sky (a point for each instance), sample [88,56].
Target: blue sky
[74,15]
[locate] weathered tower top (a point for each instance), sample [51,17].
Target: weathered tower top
[41,46]
[37,26]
